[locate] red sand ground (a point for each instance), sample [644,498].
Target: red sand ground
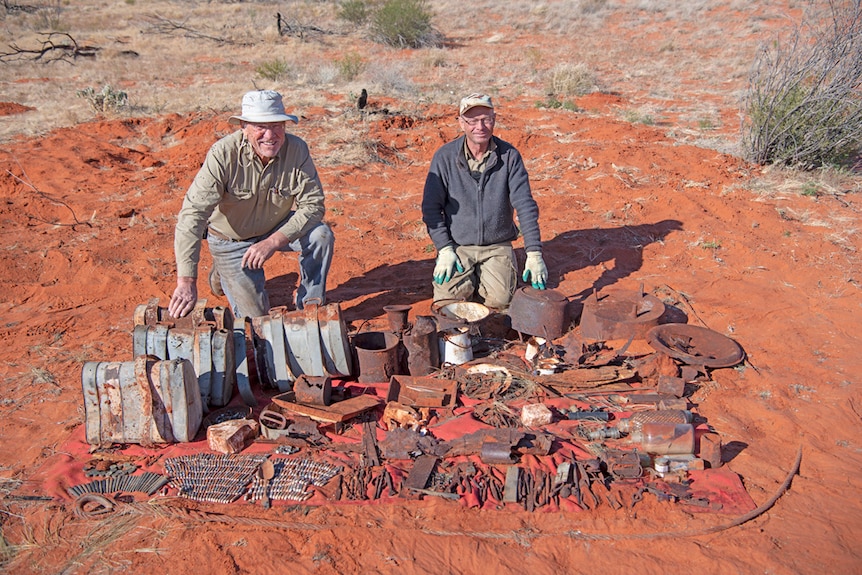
[91,239]
[87,225]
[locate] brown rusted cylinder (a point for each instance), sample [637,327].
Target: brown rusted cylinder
[496,452]
[397,316]
[420,343]
[377,353]
[538,312]
[313,390]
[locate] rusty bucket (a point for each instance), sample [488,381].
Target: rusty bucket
[538,312]
[377,353]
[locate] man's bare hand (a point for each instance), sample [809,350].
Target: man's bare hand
[185,297]
[258,253]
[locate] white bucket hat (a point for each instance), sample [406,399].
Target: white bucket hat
[262,107]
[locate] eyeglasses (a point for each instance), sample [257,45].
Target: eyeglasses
[262,128]
[486,121]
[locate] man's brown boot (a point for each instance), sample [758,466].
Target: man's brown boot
[215,283]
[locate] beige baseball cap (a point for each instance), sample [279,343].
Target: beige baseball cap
[474,101]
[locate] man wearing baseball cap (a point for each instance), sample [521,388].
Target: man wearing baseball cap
[256,194]
[474,187]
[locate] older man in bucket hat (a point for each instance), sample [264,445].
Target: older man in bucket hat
[474,187]
[256,194]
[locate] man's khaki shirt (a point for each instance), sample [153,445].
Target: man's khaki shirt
[238,196]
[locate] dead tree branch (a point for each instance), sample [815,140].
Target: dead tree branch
[55,47]
[161,25]
[15,7]
[296,29]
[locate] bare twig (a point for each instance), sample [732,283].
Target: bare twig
[38,192]
[55,47]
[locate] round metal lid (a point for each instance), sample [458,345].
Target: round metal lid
[694,345]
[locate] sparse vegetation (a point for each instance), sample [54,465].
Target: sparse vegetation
[273,70]
[350,66]
[106,100]
[553,103]
[354,11]
[804,105]
[404,24]
[571,80]
[638,117]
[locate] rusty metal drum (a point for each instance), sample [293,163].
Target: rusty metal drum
[539,312]
[144,401]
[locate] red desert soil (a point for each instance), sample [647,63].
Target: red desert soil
[87,225]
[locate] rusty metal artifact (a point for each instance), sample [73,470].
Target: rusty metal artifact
[538,312]
[620,314]
[313,390]
[695,345]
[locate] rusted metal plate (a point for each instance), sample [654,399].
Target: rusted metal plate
[423,467]
[335,413]
[422,391]
[620,315]
[695,345]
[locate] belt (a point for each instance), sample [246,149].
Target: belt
[219,235]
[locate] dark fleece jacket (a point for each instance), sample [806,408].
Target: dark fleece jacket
[459,210]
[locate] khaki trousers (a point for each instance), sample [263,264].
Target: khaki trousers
[489,276]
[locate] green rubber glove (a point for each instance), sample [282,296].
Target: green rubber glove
[447,263]
[535,270]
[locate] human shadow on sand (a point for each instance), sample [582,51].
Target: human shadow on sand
[618,251]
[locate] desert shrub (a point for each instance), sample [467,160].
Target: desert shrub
[350,66]
[273,69]
[571,80]
[555,104]
[404,24]
[106,100]
[803,104]
[354,11]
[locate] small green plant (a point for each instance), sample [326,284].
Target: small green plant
[354,11]
[404,24]
[106,100]
[553,103]
[430,248]
[350,66]
[273,70]
[705,124]
[638,117]
[710,245]
[810,189]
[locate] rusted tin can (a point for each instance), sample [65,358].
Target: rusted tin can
[313,389]
[377,355]
[538,312]
[144,401]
